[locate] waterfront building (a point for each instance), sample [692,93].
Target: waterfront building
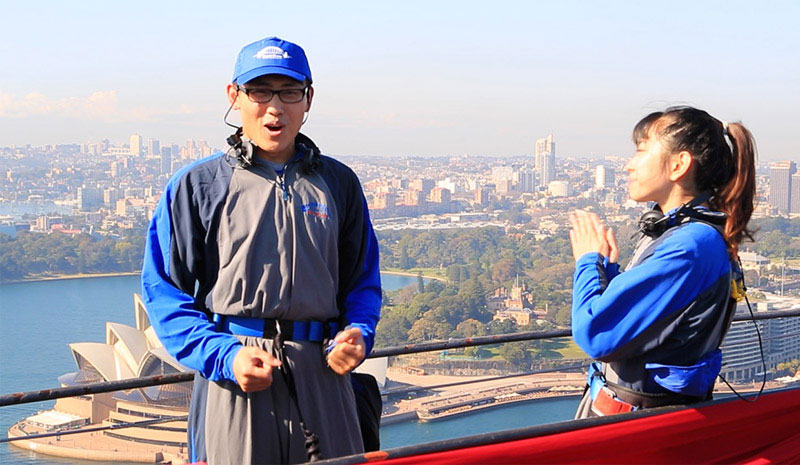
[89,198]
[752,260]
[741,356]
[128,352]
[46,222]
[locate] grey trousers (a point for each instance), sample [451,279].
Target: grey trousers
[228,426]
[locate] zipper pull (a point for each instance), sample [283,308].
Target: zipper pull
[283,182]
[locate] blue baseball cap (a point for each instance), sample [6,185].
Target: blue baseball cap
[271,56]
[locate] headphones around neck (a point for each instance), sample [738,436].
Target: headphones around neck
[653,223]
[242,148]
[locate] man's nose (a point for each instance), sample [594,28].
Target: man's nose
[275,106]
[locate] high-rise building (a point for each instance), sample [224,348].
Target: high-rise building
[136,145]
[545,145]
[153,147]
[545,161]
[780,186]
[422,184]
[440,195]
[794,197]
[385,200]
[481,196]
[604,178]
[414,197]
[89,198]
[527,181]
[166,160]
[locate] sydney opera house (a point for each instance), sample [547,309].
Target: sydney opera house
[128,352]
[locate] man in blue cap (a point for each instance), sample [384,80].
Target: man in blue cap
[261,273]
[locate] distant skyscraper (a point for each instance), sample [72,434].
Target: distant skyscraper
[527,181]
[604,178]
[153,147]
[545,161]
[546,145]
[780,186]
[89,198]
[794,198]
[166,160]
[136,145]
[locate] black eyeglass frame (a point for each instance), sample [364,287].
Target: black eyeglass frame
[280,92]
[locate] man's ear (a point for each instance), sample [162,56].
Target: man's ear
[309,97]
[232,90]
[679,165]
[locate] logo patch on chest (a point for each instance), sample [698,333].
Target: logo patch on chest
[316,209]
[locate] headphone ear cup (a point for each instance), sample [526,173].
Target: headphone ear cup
[247,152]
[652,223]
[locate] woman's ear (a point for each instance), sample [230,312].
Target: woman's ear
[679,165]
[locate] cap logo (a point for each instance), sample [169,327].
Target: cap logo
[272,53]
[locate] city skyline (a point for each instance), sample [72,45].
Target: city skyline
[432,79]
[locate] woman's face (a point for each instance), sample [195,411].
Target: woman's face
[648,179]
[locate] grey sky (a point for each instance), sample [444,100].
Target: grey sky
[393,78]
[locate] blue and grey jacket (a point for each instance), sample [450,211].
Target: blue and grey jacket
[256,242]
[659,324]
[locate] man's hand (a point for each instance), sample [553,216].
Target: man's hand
[349,351]
[252,368]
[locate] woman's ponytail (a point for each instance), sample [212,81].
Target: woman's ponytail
[735,198]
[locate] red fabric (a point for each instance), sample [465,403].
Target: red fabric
[764,432]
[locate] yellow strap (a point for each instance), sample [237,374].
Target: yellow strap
[737,290]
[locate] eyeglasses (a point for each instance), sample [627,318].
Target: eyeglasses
[262,95]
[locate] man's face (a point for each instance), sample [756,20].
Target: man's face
[272,126]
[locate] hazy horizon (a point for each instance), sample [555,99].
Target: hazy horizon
[421,78]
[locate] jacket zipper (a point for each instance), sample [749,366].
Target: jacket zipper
[282,180]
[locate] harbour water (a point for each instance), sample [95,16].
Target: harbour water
[39,319]
[17,210]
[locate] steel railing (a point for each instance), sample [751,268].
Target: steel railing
[110,386]
[134,383]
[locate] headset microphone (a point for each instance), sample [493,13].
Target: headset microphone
[242,148]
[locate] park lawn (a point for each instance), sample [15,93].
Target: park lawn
[570,350]
[426,272]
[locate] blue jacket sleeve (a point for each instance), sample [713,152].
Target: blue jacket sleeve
[363,302]
[169,274]
[608,315]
